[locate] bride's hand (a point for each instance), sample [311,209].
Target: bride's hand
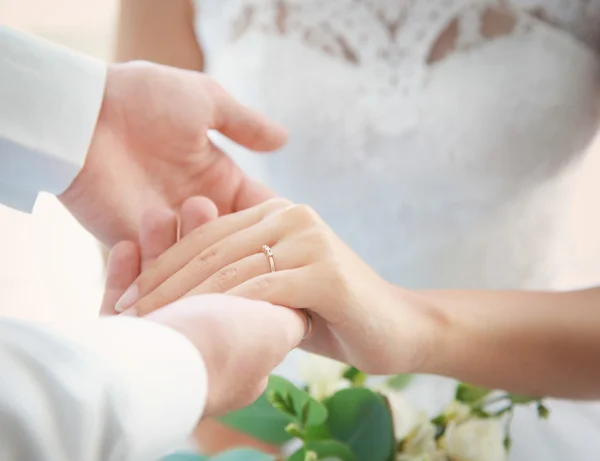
[357,316]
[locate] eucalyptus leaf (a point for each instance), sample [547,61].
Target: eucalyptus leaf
[242,454]
[266,423]
[320,432]
[360,419]
[261,421]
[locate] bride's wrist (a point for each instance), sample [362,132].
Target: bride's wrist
[455,344]
[438,331]
[424,329]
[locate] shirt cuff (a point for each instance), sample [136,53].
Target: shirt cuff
[163,376]
[51,98]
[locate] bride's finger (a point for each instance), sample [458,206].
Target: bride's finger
[301,288]
[285,257]
[226,261]
[191,245]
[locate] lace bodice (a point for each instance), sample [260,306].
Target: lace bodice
[389,44]
[439,138]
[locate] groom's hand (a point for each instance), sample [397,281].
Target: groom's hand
[236,337]
[241,342]
[150,149]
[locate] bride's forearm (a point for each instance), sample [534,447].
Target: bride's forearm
[533,343]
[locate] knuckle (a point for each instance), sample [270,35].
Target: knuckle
[226,278]
[303,215]
[322,244]
[204,262]
[197,236]
[275,204]
[261,285]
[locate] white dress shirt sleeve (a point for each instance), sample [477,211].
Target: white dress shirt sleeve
[50,98]
[114,389]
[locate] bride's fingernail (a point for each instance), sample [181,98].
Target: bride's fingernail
[129,297]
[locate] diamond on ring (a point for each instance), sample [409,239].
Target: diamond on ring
[269,254]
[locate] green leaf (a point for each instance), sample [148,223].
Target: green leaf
[320,432]
[399,382]
[307,411]
[355,376]
[543,411]
[266,423]
[507,443]
[261,421]
[470,394]
[185,457]
[361,419]
[242,454]
[279,402]
[326,449]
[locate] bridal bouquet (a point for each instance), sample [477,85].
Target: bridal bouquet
[339,416]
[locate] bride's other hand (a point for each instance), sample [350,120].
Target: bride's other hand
[357,316]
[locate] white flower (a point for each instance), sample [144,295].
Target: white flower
[404,415]
[323,376]
[420,443]
[474,440]
[457,412]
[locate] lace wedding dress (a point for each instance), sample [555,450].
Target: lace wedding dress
[437,138]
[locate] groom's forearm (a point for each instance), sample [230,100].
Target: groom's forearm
[537,344]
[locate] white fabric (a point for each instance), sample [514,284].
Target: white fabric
[119,389]
[50,100]
[455,172]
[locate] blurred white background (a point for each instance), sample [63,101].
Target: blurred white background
[50,268]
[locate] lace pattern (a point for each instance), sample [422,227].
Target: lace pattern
[392,43]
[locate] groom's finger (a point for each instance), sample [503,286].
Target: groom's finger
[158,233]
[251,193]
[122,268]
[195,212]
[243,125]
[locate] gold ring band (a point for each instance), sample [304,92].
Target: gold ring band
[269,254]
[309,325]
